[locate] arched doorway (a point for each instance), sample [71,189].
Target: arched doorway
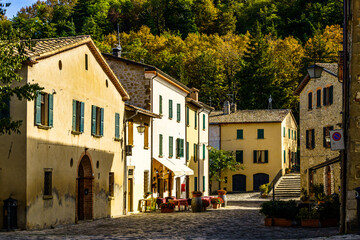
[85,189]
[239,183]
[260,179]
[328,180]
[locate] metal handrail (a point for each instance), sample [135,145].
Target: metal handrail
[274,181]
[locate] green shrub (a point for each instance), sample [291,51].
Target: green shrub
[280,209]
[264,188]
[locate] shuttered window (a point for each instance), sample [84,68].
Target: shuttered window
[239,156]
[187,116]
[328,95]
[160,105]
[178,112]
[310,100]
[131,133]
[170,109]
[117,125]
[48,183]
[161,145]
[260,133]
[146,136]
[284,156]
[239,134]
[261,156]
[180,148]
[187,151]
[318,98]
[171,147]
[195,183]
[203,150]
[203,121]
[78,116]
[44,109]
[195,152]
[310,139]
[86,62]
[97,121]
[195,120]
[289,133]
[284,132]
[204,184]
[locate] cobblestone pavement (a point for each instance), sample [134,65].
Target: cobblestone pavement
[240,220]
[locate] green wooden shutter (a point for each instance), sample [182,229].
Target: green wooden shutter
[239,156]
[307,139]
[74,115]
[266,156]
[93,120]
[117,123]
[195,183]
[195,119]
[255,156]
[260,133]
[38,109]
[181,147]
[187,116]
[239,134]
[101,122]
[203,183]
[310,100]
[284,130]
[289,133]
[187,151]
[170,109]
[284,156]
[171,147]
[82,114]
[178,116]
[331,94]
[51,107]
[160,144]
[203,121]
[160,105]
[313,138]
[203,151]
[292,134]
[195,153]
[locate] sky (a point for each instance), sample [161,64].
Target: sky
[16,5]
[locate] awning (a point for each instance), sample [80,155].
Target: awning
[175,166]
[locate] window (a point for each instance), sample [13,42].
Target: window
[178,112]
[111,184]
[44,109]
[195,183]
[328,95]
[195,152]
[309,100]
[204,184]
[239,134]
[292,134]
[146,136]
[326,135]
[171,147]
[86,62]
[179,147]
[318,98]
[78,116]
[130,133]
[284,156]
[160,145]
[160,105]
[261,156]
[195,120]
[203,121]
[203,150]
[239,156]
[97,121]
[284,132]
[48,182]
[289,133]
[187,151]
[260,133]
[170,109]
[310,139]
[187,116]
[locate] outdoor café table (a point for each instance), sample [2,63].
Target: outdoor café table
[183,202]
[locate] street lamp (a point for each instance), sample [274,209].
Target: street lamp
[315,71]
[141,128]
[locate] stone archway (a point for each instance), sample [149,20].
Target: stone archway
[85,189]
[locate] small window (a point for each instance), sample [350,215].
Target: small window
[289,133]
[78,116]
[195,183]
[204,184]
[97,121]
[318,98]
[86,62]
[261,156]
[310,139]
[284,132]
[204,151]
[111,184]
[195,152]
[309,100]
[195,120]
[239,156]
[260,133]
[187,151]
[204,120]
[328,96]
[187,116]
[160,105]
[239,134]
[160,145]
[284,156]
[146,136]
[171,148]
[170,109]
[117,125]
[48,183]
[44,109]
[179,147]
[178,112]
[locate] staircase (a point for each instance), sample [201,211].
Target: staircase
[288,186]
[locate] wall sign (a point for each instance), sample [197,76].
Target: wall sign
[337,139]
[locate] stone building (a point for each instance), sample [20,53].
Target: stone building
[264,141]
[320,112]
[67,164]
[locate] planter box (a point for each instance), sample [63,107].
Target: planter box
[329,223]
[167,210]
[315,223]
[216,206]
[282,222]
[268,221]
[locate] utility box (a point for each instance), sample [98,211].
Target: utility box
[10,214]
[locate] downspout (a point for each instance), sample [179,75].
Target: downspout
[345,118]
[198,147]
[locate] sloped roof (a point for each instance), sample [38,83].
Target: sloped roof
[250,116]
[329,68]
[44,48]
[141,110]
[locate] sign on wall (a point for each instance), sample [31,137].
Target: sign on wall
[337,139]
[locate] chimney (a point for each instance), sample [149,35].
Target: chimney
[233,107]
[194,94]
[226,108]
[117,51]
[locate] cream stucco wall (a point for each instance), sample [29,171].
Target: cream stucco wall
[192,138]
[54,148]
[204,141]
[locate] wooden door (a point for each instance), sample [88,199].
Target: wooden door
[239,183]
[178,188]
[130,195]
[259,179]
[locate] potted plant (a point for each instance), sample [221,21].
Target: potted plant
[264,190]
[329,212]
[304,196]
[281,213]
[167,207]
[216,202]
[310,217]
[222,194]
[287,170]
[197,194]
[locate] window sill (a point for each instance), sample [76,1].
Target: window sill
[170,118]
[76,132]
[117,139]
[187,125]
[47,197]
[96,136]
[43,127]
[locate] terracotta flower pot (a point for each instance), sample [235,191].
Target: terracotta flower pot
[167,210]
[310,223]
[268,221]
[216,206]
[282,222]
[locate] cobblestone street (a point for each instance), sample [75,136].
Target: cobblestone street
[240,220]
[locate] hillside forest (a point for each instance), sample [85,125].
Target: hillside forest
[237,50]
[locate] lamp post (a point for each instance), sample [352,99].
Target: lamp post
[315,71]
[141,128]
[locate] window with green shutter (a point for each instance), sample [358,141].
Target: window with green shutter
[195,183]
[261,156]
[239,134]
[160,145]
[203,150]
[117,125]
[292,134]
[44,109]
[260,133]
[284,132]
[195,120]
[239,156]
[181,147]
[187,151]
[195,152]
[170,109]
[203,122]
[160,104]
[204,184]
[187,116]
[289,133]
[78,117]
[178,112]
[284,156]
[97,121]
[171,149]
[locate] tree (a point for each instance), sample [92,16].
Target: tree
[221,160]
[12,55]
